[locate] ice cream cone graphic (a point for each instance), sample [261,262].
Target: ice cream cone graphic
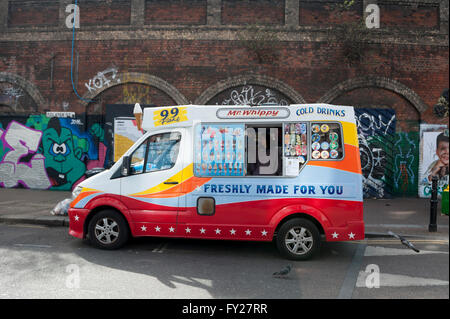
[137,111]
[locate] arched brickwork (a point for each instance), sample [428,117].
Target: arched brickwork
[27,86]
[255,79]
[377,82]
[142,78]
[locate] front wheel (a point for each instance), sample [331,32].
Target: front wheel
[298,239]
[108,230]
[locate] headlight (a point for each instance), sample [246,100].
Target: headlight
[76,192]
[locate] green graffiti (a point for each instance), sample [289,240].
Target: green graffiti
[38,122]
[67,153]
[406,163]
[2,150]
[97,131]
[81,143]
[63,152]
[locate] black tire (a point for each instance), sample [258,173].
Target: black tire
[108,229]
[298,239]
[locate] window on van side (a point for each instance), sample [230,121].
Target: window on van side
[225,149]
[264,150]
[295,142]
[219,149]
[326,141]
[156,153]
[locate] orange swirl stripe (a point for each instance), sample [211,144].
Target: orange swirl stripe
[82,196]
[350,163]
[186,186]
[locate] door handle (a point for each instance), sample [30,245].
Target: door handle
[171,182]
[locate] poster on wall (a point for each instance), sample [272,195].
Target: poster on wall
[126,134]
[434,149]
[219,150]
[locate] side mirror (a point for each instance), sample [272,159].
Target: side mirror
[125,166]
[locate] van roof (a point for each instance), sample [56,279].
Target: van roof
[188,115]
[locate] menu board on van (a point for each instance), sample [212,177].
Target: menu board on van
[219,149]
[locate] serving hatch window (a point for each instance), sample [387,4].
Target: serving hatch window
[219,149]
[238,150]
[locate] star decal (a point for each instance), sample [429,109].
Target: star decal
[217,230]
[351,235]
[77,218]
[335,235]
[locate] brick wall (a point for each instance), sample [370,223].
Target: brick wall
[319,13]
[172,52]
[104,12]
[415,16]
[241,12]
[193,66]
[30,13]
[175,12]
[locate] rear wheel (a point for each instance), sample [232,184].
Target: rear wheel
[108,230]
[298,239]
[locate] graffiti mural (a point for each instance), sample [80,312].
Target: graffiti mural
[21,163]
[406,163]
[49,152]
[250,95]
[376,134]
[54,150]
[103,79]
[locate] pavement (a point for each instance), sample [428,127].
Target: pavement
[404,215]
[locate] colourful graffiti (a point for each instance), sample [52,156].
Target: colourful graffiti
[406,163]
[49,153]
[21,163]
[376,133]
[43,152]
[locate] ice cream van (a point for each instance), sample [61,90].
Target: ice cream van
[289,174]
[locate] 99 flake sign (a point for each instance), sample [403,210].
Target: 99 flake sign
[169,116]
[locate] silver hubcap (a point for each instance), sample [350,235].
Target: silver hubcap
[106,230]
[299,240]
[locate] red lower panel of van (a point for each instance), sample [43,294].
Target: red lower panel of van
[253,220]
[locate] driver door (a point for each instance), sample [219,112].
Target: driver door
[151,191]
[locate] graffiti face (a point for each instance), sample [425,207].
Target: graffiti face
[62,159]
[44,152]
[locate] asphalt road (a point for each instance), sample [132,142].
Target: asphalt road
[45,262]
